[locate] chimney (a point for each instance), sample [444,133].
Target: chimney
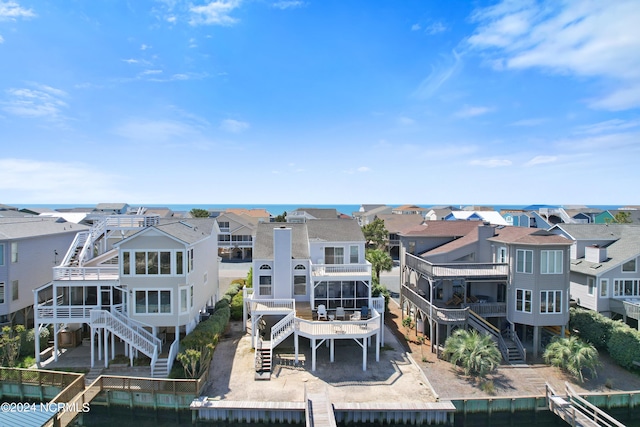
[595,253]
[282,254]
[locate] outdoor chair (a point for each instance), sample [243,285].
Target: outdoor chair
[340,314]
[364,312]
[322,312]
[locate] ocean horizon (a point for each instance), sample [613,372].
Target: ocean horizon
[278,209]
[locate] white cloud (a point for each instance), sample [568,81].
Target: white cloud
[491,163]
[234,126]
[530,122]
[470,111]
[150,72]
[435,28]
[159,131]
[415,27]
[405,121]
[49,182]
[214,13]
[587,38]
[145,47]
[608,126]
[439,75]
[1,39]
[10,10]
[540,160]
[364,169]
[42,101]
[288,4]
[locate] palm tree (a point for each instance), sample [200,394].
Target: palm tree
[380,261]
[476,353]
[573,356]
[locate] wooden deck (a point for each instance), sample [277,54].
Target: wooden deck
[320,411]
[576,411]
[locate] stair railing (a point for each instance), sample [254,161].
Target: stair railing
[481,325]
[513,336]
[281,330]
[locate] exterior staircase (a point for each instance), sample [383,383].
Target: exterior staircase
[264,350]
[129,331]
[161,369]
[92,375]
[513,353]
[510,347]
[263,360]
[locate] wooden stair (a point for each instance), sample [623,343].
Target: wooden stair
[263,362]
[514,357]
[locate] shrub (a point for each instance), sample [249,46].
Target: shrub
[573,356]
[236,306]
[476,353]
[593,327]
[624,346]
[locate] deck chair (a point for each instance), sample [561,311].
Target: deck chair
[340,314]
[322,312]
[364,312]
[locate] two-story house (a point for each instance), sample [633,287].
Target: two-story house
[508,282]
[237,232]
[311,279]
[141,279]
[605,271]
[29,247]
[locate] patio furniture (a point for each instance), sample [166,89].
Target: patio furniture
[364,312]
[322,312]
[355,316]
[340,314]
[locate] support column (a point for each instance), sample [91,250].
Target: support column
[313,354]
[106,349]
[36,331]
[100,332]
[93,344]
[55,340]
[377,347]
[113,346]
[536,341]
[331,350]
[295,345]
[364,354]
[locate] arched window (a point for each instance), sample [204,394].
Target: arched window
[300,267]
[265,267]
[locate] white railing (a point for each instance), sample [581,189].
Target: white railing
[272,304]
[460,269]
[137,326]
[104,319]
[173,353]
[85,273]
[484,327]
[513,336]
[78,313]
[340,269]
[488,308]
[242,244]
[281,330]
[78,242]
[346,328]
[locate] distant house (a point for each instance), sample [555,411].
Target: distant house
[237,233]
[437,213]
[140,278]
[491,217]
[301,215]
[306,277]
[396,224]
[368,213]
[509,282]
[111,208]
[29,247]
[409,210]
[605,268]
[519,218]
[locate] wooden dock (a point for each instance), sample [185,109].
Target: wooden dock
[576,411]
[319,411]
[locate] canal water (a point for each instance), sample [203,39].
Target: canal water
[101,416]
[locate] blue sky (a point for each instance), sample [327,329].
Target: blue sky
[261,101]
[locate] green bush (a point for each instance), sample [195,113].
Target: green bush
[236,306]
[624,346]
[593,327]
[28,342]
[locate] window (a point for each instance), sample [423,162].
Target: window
[551,262]
[347,294]
[191,296]
[224,225]
[604,288]
[502,255]
[550,301]
[179,263]
[524,261]
[14,252]
[299,285]
[501,293]
[165,262]
[189,260]
[523,300]
[334,255]
[14,290]
[126,263]
[629,266]
[591,285]
[183,300]
[1,254]
[353,255]
[626,287]
[265,285]
[153,302]
[1,293]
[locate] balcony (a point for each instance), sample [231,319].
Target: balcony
[341,270]
[458,270]
[85,273]
[441,315]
